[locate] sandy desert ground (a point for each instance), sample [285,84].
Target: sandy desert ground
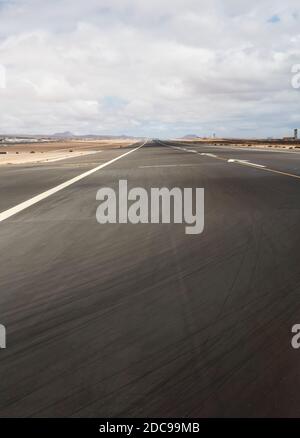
[257,144]
[26,153]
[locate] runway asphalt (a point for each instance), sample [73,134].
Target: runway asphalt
[124,320]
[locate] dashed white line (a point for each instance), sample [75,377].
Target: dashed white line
[168,165]
[209,155]
[245,162]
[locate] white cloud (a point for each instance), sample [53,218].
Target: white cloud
[164,67]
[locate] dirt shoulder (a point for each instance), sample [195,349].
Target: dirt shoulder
[55,151]
[257,144]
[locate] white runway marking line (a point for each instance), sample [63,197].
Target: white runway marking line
[75,155]
[208,155]
[168,165]
[195,152]
[20,207]
[245,162]
[258,166]
[247,148]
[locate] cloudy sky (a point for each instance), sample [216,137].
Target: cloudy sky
[159,68]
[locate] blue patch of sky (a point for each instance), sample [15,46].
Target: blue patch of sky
[114,102]
[274,19]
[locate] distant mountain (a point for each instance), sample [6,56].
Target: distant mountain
[66,134]
[60,135]
[191,136]
[103,136]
